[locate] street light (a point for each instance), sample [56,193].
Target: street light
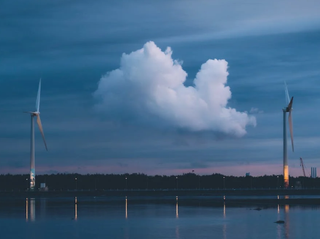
[27,183]
[277,181]
[126,183]
[76,180]
[224,182]
[177,182]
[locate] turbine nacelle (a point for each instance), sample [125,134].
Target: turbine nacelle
[289,107]
[34,113]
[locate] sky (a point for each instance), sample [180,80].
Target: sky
[159,87]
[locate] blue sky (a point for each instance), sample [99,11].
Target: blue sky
[72,44]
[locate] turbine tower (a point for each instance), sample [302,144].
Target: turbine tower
[32,143]
[286,109]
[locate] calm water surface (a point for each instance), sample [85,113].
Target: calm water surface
[74,218]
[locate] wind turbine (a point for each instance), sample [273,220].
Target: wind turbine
[32,144]
[286,109]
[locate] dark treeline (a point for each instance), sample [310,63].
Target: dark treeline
[142,181]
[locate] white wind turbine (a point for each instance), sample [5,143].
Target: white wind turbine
[288,108]
[32,143]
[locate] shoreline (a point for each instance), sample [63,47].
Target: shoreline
[234,198]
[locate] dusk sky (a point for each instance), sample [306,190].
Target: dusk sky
[159,87]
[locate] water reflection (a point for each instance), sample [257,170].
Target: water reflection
[126,207]
[224,228]
[280,231]
[32,209]
[207,220]
[279,227]
[177,207]
[27,209]
[177,232]
[224,231]
[75,208]
[287,221]
[286,208]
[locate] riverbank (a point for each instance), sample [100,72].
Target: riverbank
[185,197]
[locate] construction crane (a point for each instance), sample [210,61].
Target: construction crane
[302,165]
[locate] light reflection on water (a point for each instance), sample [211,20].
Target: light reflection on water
[177,207]
[224,228]
[27,209]
[126,207]
[279,231]
[32,209]
[177,216]
[287,221]
[177,232]
[224,231]
[75,208]
[152,218]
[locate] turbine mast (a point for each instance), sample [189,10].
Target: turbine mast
[285,156]
[32,158]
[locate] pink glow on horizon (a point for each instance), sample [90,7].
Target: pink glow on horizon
[239,170]
[232,170]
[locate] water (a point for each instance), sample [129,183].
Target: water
[122,218]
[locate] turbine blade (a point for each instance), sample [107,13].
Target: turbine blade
[286,92]
[291,129]
[38,97]
[290,104]
[41,130]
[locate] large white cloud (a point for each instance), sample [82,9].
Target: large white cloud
[149,88]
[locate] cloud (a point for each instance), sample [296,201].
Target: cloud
[148,88]
[254,110]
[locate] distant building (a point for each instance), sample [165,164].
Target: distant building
[313,172]
[43,187]
[247,174]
